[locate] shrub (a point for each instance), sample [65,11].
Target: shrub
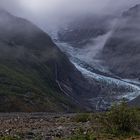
[120,120]
[9,138]
[81,135]
[82,117]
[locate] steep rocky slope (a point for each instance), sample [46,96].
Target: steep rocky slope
[34,74]
[106,50]
[122,51]
[82,30]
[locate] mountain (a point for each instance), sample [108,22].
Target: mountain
[106,50]
[82,30]
[122,50]
[121,53]
[93,65]
[34,74]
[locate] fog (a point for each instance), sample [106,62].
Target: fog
[52,13]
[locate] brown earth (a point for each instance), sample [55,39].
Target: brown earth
[44,126]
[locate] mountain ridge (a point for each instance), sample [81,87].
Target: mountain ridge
[34,74]
[123,47]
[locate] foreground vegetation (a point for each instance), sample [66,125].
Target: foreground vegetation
[119,123]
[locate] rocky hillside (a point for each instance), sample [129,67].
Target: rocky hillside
[106,49]
[82,30]
[122,51]
[34,74]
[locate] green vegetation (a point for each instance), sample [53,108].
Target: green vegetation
[121,120]
[9,138]
[29,90]
[19,87]
[82,137]
[82,117]
[80,134]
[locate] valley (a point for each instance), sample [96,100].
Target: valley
[69,70]
[92,57]
[117,88]
[86,65]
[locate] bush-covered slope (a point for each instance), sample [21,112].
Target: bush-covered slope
[34,74]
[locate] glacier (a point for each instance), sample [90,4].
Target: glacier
[86,61]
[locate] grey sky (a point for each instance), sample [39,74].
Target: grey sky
[43,12]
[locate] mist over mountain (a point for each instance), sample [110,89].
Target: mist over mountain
[123,46]
[87,60]
[104,47]
[69,69]
[83,30]
[52,14]
[34,74]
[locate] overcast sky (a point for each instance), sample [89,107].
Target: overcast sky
[43,12]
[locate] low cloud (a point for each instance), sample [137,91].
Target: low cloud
[46,13]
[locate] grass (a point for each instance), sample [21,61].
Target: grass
[9,138]
[29,84]
[82,117]
[119,123]
[80,134]
[121,120]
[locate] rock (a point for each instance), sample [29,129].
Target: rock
[60,128]
[30,135]
[48,138]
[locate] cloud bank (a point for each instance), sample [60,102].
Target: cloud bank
[49,12]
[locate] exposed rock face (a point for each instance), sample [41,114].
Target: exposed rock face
[119,53]
[34,74]
[122,51]
[135,102]
[81,31]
